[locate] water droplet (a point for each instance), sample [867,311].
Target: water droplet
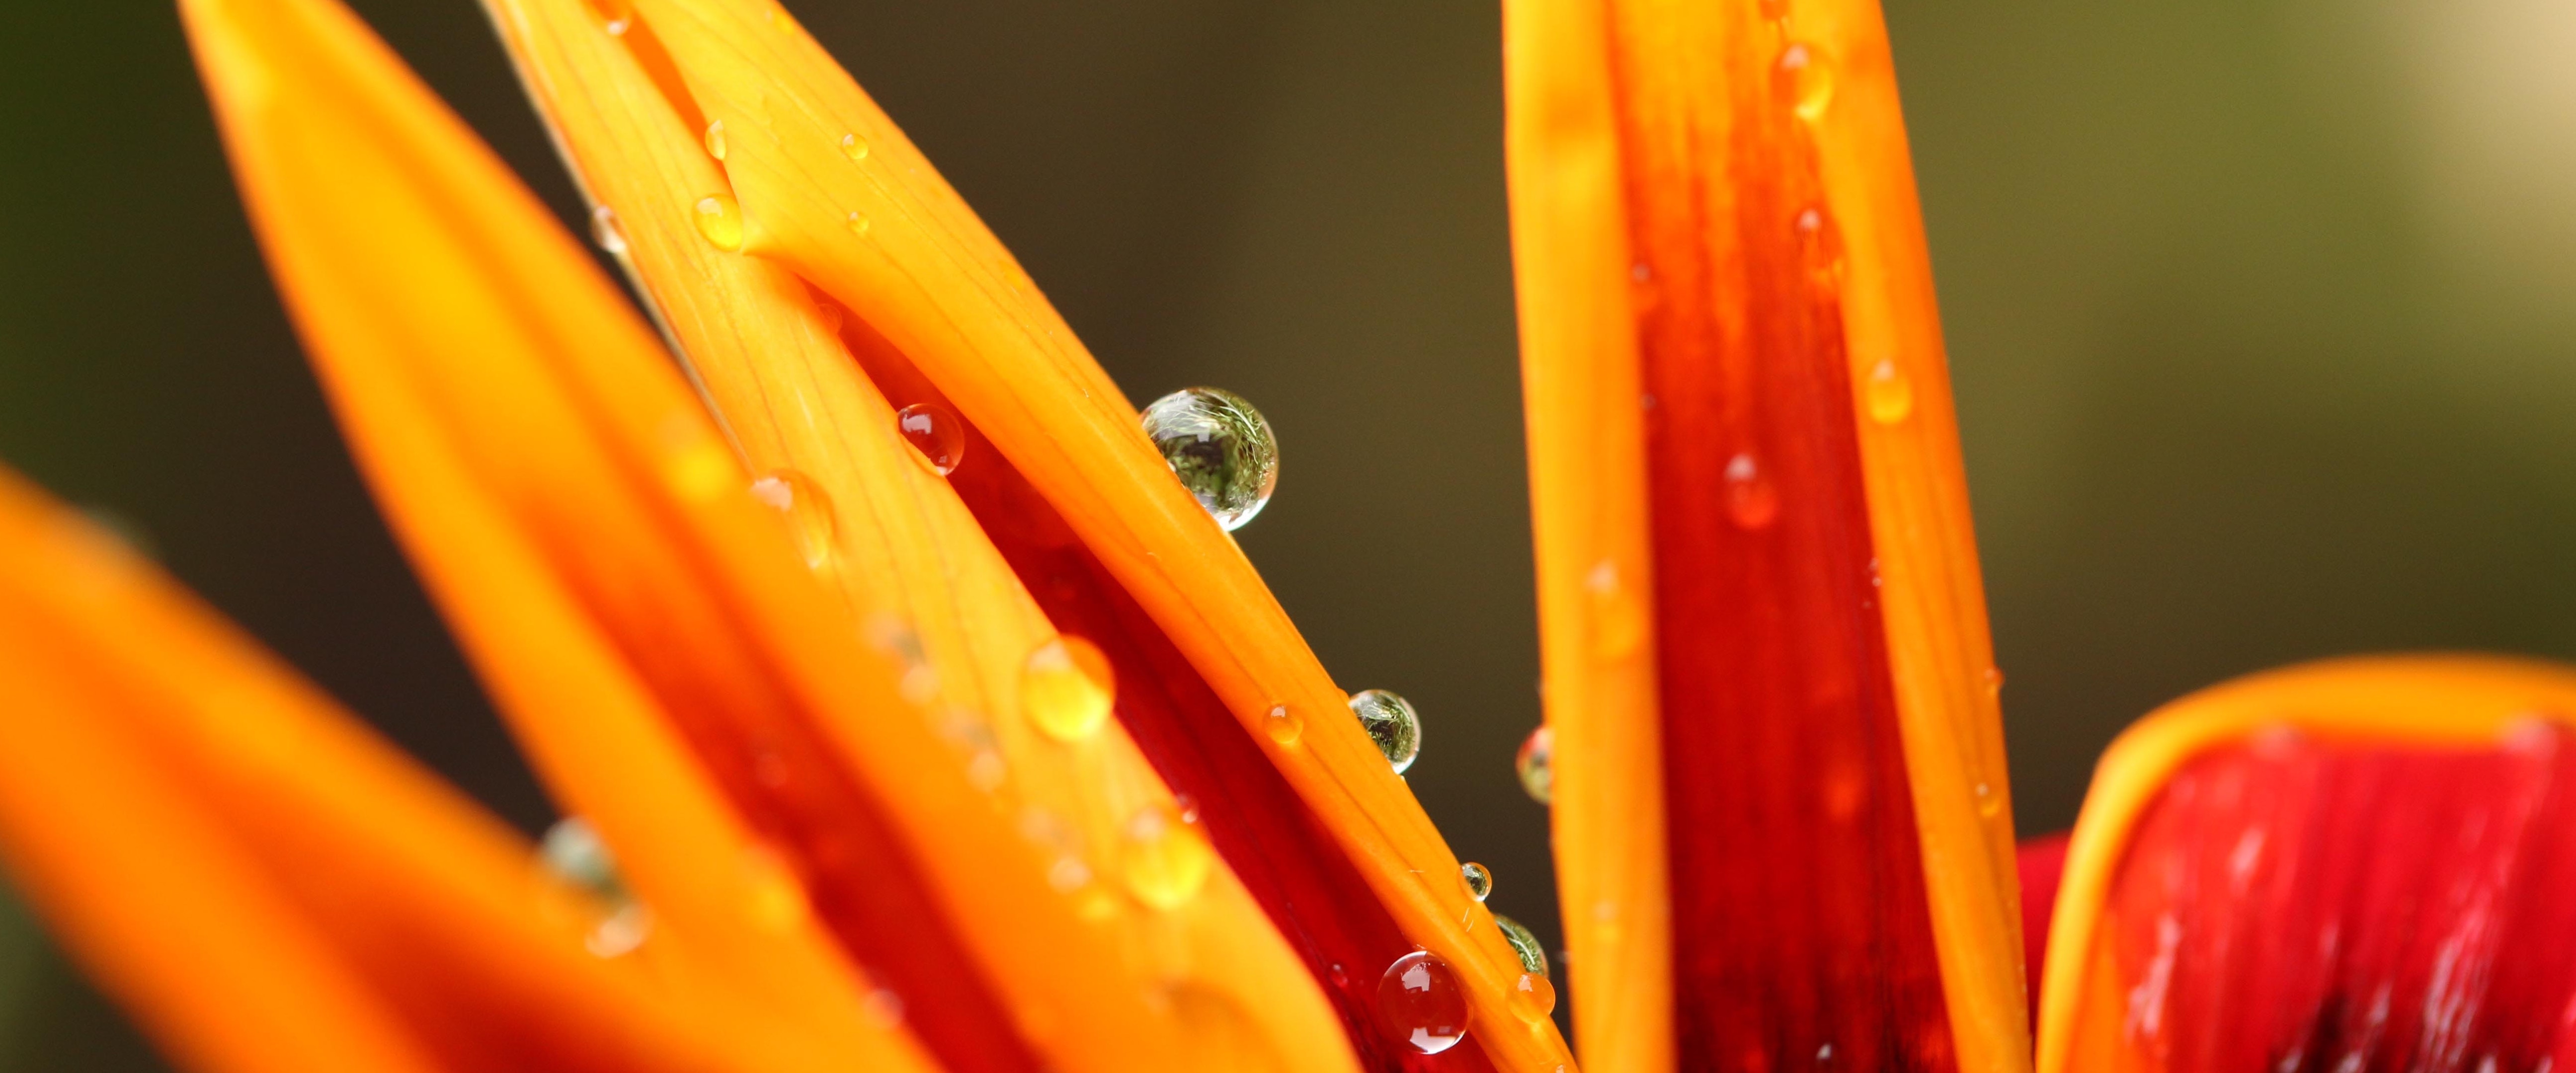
[1066,688]
[1536,765]
[936,433]
[1525,945]
[1533,997]
[1480,883]
[1220,447]
[1163,858]
[573,852]
[1994,681]
[614,16]
[1889,393]
[605,231]
[716,139]
[1391,721]
[809,513]
[1806,79]
[1420,1003]
[1618,613]
[858,223]
[1989,803]
[854,147]
[720,220]
[1283,724]
[1750,499]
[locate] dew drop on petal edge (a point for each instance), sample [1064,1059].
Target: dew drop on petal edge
[936,433]
[1750,499]
[1480,883]
[720,221]
[1420,1003]
[1220,447]
[573,852]
[1890,396]
[809,513]
[1536,765]
[1066,689]
[716,139]
[1525,945]
[1391,722]
[605,230]
[1162,857]
[1533,997]
[1283,724]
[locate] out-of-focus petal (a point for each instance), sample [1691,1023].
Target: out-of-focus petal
[2043,863]
[1821,717]
[1196,961]
[2353,865]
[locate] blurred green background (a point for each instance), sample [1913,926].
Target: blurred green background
[2259,311]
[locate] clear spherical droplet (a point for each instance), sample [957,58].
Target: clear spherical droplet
[1890,396]
[809,513]
[1480,883]
[605,230]
[1066,689]
[720,221]
[1536,765]
[1750,499]
[1524,945]
[1806,79]
[936,434]
[854,147]
[1163,858]
[1283,724]
[1220,447]
[1533,997]
[1420,1003]
[1390,721]
[716,139]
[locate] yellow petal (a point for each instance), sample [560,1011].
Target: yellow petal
[886,530]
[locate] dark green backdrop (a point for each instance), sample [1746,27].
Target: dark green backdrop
[2259,314]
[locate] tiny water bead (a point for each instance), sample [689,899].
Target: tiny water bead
[573,852]
[809,514]
[1066,688]
[854,147]
[1536,765]
[1220,447]
[1390,721]
[605,230]
[1420,1003]
[1533,997]
[1524,944]
[1163,858]
[858,223]
[1750,499]
[936,433]
[1283,724]
[1989,803]
[1806,79]
[1480,883]
[614,15]
[1889,395]
[716,139]
[720,221]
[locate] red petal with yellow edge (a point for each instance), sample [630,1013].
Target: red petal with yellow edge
[1729,336]
[2351,866]
[266,883]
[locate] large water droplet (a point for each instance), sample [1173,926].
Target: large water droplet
[1536,765]
[936,433]
[1220,447]
[1421,1004]
[1889,394]
[809,513]
[1750,499]
[1480,883]
[1806,79]
[1163,858]
[720,220]
[573,852]
[716,139]
[1524,945]
[854,147]
[1066,688]
[1283,724]
[605,231]
[1391,721]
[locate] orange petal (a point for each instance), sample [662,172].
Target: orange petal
[1730,345]
[879,523]
[2353,864]
[267,884]
[809,155]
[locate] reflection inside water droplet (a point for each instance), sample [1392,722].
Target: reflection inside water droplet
[1283,725]
[1066,689]
[1220,447]
[605,231]
[1480,883]
[720,221]
[716,139]
[1524,945]
[936,433]
[1806,80]
[1391,722]
[1420,1003]
[1536,765]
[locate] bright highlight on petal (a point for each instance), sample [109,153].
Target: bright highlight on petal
[2358,864]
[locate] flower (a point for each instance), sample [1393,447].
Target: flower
[828,649]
